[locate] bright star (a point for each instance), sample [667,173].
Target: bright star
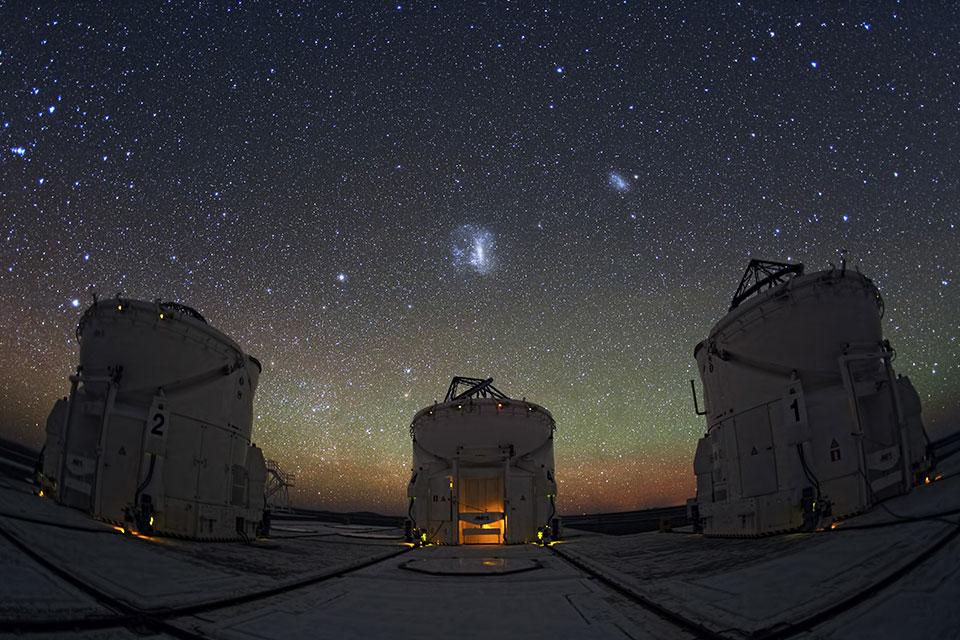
[75,303]
[341,277]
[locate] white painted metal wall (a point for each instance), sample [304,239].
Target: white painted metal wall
[155,435]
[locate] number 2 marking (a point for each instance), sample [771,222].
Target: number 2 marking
[158,422]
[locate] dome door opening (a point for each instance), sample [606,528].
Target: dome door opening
[481,506]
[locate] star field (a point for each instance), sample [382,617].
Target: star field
[374,197]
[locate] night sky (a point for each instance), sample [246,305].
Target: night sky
[374,197]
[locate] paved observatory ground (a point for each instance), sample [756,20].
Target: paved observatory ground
[876,576]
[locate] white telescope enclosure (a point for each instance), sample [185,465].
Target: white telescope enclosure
[155,434]
[483,468]
[806,419]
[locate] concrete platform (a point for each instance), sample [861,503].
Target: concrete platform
[384,601]
[890,573]
[761,587]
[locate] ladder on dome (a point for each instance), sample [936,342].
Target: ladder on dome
[276,492]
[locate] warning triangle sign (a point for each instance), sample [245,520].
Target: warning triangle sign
[753,451]
[834,444]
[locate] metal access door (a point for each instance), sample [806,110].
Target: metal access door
[870,385]
[758,465]
[119,466]
[522,514]
[78,477]
[181,463]
[481,507]
[216,450]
